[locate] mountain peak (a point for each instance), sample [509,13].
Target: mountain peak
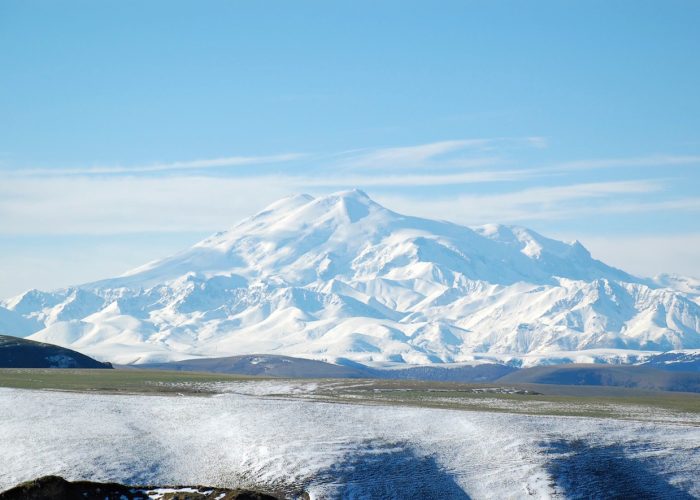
[341,276]
[355,194]
[300,239]
[353,204]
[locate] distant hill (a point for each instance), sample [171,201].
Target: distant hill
[688,361]
[486,372]
[23,353]
[263,365]
[286,366]
[624,376]
[638,377]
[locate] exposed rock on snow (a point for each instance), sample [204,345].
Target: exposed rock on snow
[58,488]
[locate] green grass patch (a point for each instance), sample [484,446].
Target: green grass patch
[114,381]
[533,399]
[539,399]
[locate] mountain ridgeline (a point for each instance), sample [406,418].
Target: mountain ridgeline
[342,277]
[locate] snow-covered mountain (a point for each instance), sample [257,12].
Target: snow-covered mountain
[341,276]
[685,284]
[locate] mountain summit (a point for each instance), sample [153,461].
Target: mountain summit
[341,276]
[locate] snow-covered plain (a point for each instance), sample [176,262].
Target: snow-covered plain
[340,450]
[341,276]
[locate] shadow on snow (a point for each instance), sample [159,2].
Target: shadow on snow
[387,472]
[591,472]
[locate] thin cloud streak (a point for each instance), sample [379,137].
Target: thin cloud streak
[539,203]
[449,154]
[428,154]
[608,208]
[642,161]
[102,205]
[415,180]
[414,155]
[388,158]
[90,201]
[99,205]
[231,161]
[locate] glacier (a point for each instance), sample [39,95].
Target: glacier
[340,277]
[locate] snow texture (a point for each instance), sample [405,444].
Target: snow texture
[342,277]
[341,450]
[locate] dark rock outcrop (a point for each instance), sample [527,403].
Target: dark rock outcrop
[57,488]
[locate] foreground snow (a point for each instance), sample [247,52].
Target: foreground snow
[339,450]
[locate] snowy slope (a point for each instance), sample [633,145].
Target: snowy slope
[687,285]
[345,450]
[341,276]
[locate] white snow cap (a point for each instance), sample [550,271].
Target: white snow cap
[340,276]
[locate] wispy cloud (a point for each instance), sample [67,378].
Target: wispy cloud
[452,154]
[456,153]
[125,204]
[468,181]
[118,199]
[540,203]
[229,161]
[537,142]
[412,155]
[639,161]
[412,180]
[102,205]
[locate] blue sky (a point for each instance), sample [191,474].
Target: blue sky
[129,130]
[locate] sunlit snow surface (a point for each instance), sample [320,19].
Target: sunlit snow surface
[340,450]
[342,277]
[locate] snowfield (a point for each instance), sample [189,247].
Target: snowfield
[341,276]
[340,450]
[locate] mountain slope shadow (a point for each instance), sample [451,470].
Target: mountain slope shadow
[389,472]
[596,472]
